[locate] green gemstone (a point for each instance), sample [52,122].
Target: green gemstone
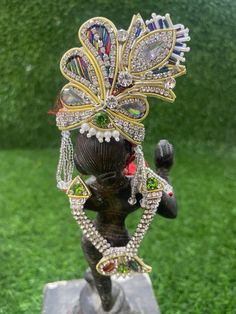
[133,265]
[78,189]
[123,268]
[152,183]
[134,112]
[101,119]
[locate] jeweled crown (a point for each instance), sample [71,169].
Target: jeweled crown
[114,71]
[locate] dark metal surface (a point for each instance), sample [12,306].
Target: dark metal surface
[110,192]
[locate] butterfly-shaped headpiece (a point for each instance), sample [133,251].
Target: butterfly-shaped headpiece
[114,71]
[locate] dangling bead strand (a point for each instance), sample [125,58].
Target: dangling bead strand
[66,162]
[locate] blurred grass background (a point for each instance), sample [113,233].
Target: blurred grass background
[194,256]
[35,34]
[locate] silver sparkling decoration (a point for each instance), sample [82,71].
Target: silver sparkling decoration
[125,79]
[66,162]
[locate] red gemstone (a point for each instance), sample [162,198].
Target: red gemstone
[108,267]
[170,194]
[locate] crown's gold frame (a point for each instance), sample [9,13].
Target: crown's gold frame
[83,87]
[104,92]
[93,60]
[143,39]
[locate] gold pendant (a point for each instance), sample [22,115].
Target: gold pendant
[121,264]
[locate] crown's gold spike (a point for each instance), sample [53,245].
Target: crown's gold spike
[136,29]
[99,37]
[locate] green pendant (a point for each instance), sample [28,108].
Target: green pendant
[123,268]
[101,119]
[78,189]
[152,183]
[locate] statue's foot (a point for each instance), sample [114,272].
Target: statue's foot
[91,303]
[89,277]
[106,300]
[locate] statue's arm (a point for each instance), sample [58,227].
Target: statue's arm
[164,157]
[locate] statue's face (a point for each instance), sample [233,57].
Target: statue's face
[94,158]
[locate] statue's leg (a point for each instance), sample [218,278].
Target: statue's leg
[102,283]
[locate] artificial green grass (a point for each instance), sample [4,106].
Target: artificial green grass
[36,33]
[193,257]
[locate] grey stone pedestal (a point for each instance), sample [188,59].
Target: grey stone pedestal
[63,297]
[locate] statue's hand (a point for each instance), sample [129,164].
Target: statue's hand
[164,155]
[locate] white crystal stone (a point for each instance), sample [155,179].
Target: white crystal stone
[152,50]
[122,35]
[132,201]
[143,203]
[125,79]
[71,96]
[65,134]
[170,83]
[111,102]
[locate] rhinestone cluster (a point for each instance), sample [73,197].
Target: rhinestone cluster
[125,79]
[121,263]
[68,118]
[136,30]
[164,72]
[107,58]
[154,90]
[111,102]
[137,132]
[151,51]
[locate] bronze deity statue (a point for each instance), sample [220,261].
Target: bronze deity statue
[110,78]
[110,190]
